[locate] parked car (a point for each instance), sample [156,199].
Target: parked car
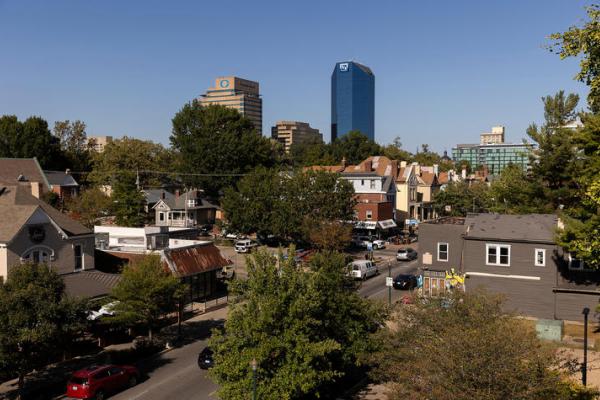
[406,254]
[205,358]
[378,244]
[107,309]
[99,381]
[362,269]
[245,245]
[405,282]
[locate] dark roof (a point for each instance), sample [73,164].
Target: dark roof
[58,178]
[154,195]
[179,202]
[27,169]
[17,205]
[387,183]
[528,227]
[191,260]
[90,283]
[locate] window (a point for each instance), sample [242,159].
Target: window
[78,252]
[369,215]
[37,255]
[372,182]
[362,182]
[191,203]
[575,263]
[442,252]
[540,257]
[498,254]
[161,216]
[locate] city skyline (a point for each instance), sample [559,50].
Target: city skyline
[469,65]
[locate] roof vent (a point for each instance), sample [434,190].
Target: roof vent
[21,178]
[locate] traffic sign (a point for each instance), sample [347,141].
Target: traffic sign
[389,281]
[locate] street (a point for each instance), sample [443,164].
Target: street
[175,374]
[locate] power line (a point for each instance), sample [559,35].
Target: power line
[147,171]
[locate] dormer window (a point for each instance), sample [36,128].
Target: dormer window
[191,203]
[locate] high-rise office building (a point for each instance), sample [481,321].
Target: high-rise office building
[352,100]
[289,132]
[238,93]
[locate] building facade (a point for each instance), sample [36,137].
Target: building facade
[416,186]
[515,255]
[289,132]
[185,210]
[98,143]
[237,93]
[495,157]
[352,100]
[496,136]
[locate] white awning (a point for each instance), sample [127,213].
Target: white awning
[387,224]
[365,225]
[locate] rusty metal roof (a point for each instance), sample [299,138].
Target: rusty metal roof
[191,260]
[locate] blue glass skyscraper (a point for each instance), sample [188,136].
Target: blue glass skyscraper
[352,100]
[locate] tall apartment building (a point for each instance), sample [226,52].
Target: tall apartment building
[352,100]
[494,137]
[290,132]
[240,94]
[492,152]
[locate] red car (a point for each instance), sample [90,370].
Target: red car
[98,381]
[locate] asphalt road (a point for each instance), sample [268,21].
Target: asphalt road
[175,374]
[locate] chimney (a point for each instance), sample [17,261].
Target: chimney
[394,164]
[67,171]
[344,163]
[36,189]
[162,195]
[436,169]
[177,193]
[418,169]
[367,165]
[402,164]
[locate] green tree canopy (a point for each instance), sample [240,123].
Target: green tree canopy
[37,320]
[583,41]
[460,198]
[217,140]
[354,147]
[128,200]
[269,202]
[305,329]
[74,144]
[131,155]
[30,138]
[90,207]
[466,347]
[146,292]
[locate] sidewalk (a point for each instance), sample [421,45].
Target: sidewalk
[50,383]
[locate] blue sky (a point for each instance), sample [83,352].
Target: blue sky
[445,70]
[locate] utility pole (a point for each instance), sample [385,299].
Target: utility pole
[254,366]
[585,313]
[389,287]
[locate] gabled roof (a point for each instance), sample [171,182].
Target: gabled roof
[90,283]
[17,205]
[57,178]
[518,228]
[325,168]
[154,195]
[179,202]
[15,170]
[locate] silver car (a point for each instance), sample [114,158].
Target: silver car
[406,254]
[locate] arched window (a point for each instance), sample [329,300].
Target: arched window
[38,254]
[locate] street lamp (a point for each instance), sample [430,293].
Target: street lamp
[254,366]
[585,313]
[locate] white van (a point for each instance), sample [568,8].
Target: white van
[362,269]
[245,245]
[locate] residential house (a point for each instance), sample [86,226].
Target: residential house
[415,187]
[195,262]
[152,196]
[515,255]
[188,209]
[20,170]
[33,231]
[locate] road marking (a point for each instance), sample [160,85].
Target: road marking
[139,395]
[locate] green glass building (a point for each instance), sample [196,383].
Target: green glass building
[495,156]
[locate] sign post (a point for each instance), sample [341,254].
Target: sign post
[389,282]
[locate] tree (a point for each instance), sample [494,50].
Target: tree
[584,41]
[269,202]
[555,161]
[354,147]
[394,151]
[74,144]
[304,328]
[132,155]
[30,138]
[311,152]
[89,207]
[513,192]
[37,320]
[128,201]
[465,347]
[146,291]
[460,198]
[328,235]
[220,142]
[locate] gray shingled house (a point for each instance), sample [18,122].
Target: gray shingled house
[516,255]
[186,209]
